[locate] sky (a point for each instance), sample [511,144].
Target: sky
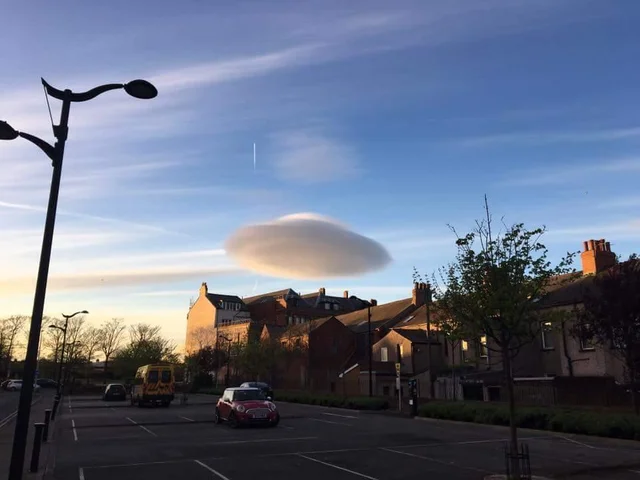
[393,118]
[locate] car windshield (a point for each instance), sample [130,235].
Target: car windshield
[242,395]
[116,388]
[152,376]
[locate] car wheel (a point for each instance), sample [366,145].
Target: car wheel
[276,421]
[216,417]
[233,420]
[13,389]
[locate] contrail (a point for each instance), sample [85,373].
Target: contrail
[254,156]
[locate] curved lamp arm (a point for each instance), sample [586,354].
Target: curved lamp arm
[80,97]
[44,146]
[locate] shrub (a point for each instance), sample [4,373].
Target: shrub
[356,403]
[557,419]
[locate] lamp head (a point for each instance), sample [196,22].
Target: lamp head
[7,132]
[141,89]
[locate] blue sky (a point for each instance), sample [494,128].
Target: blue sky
[392,117]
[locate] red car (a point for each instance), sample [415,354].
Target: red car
[246,406]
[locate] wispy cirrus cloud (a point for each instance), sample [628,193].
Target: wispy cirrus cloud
[545,138]
[310,156]
[560,175]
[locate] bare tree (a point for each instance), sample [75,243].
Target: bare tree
[11,328]
[203,337]
[110,338]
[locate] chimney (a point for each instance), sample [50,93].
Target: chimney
[373,302]
[597,256]
[346,294]
[419,293]
[322,291]
[203,289]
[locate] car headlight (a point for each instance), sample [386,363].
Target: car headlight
[240,408]
[271,406]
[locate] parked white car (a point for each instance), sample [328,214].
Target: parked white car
[15,385]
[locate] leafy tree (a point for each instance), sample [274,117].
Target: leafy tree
[491,290]
[146,345]
[110,339]
[611,316]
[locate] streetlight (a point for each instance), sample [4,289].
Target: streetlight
[138,89]
[64,341]
[226,381]
[427,300]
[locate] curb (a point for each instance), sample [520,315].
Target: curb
[551,433]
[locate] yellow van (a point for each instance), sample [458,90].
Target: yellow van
[154,384]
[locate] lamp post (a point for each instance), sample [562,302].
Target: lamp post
[370,350]
[138,89]
[226,381]
[64,342]
[427,301]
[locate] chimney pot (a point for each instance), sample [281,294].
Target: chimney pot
[592,244]
[373,302]
[607,246]
[585,246]
[322,290]
[598,257]
[346,294]
[204,289]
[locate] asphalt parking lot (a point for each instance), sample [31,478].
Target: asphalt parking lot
[99,441]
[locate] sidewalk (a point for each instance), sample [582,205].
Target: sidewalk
[41,402]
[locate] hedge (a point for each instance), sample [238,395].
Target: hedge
[355,403]
[555,419]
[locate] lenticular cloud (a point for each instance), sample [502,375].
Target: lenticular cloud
[305,245]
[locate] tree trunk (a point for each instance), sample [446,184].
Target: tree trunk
[513,429]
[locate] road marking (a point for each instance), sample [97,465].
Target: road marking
[215,472]
[287,427]
[435,460]
[11,416]
[336,415]
[466,442]
[577,442]
[337,467]
[75,432]
[328,421]
[187,418]
[81,473]
[142,427]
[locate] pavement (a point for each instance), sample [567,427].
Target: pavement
[96,440]
[9,403]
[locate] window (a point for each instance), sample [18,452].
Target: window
[384,354]
[401,352]
[336,306]
[465,345]
[152,377]
[165,376]
[546,335]
[484,350]
[327,306]
[586,342]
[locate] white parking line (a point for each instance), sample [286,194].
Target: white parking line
[11,416]
[336,415]
[466,442]
[142,427]
[435,460]
[338,468]
[287,427]
[75,433]
[328,421]
[204,465]
[186,418]
[81,473]
[577,442]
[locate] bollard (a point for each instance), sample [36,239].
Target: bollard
[47,419]
[56,401]
[35,454]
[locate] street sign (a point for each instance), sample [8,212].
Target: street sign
[398,365]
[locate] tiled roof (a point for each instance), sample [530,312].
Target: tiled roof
[386,314]
[216,298]
[413,335]
[417,319]
[265,297]
[566,290]
[346,304]
[304,328]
